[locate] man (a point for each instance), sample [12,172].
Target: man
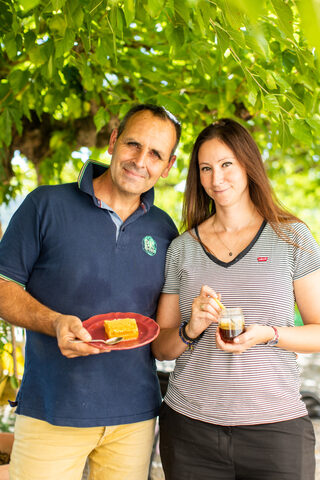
[70,252]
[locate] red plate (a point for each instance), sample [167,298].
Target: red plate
[148,330]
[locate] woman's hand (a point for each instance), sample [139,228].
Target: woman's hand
[205,310]
[253,335]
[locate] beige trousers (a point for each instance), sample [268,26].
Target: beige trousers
[42,451]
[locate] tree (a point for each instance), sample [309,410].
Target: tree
[70,67]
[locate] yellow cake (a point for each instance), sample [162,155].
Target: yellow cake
[121,327]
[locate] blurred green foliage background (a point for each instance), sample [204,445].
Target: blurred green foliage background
[70,68]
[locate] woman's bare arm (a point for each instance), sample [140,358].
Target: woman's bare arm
[304,339]
[205,310]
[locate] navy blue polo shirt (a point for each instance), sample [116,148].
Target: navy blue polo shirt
[62,247]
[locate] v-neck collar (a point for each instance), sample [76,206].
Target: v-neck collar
[239,256]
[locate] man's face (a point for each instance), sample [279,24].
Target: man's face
[141,155]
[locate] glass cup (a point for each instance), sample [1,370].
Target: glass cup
[231,323]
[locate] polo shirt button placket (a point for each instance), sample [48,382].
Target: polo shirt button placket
[122,241]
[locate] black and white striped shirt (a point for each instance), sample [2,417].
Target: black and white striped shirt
[262,384]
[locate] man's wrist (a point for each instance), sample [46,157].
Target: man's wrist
[55,322]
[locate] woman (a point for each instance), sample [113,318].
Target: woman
[228,416]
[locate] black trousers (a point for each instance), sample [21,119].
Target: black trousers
[195,450]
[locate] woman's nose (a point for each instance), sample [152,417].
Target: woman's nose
[217,177]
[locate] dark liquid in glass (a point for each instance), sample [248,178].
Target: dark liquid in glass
[228,334]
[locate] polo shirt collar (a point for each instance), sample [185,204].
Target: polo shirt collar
[92,169]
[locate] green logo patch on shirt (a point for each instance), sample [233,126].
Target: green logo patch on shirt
[149,245]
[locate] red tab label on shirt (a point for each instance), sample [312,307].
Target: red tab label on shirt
[262,259]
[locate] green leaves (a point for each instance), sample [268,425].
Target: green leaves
[233,15]
[298,106]
[301,131]
[14,382]
[5,127]
[57,4]
[57,24]
[18,79]
[154,7]
[251,8]
[76,61]
[6,16]
[285,16]
[129,11]
[101,118]
[310,15]
[65,44]
[271,104]
[10,43]
[29,4]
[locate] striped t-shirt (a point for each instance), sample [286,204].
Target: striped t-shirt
[262,384]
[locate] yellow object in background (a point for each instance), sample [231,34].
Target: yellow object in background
[8,389]
[6,360]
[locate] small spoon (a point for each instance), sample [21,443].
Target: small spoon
[109,341]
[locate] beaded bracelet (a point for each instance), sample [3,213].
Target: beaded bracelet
[274,341]
[184,337]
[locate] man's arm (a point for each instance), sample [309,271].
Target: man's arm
[19,308]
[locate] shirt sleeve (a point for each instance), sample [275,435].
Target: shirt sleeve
[21,243]
[172,277]
[307,254]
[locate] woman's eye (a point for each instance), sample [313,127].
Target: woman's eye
[205,169]
[226,164]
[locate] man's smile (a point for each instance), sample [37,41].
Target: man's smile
[134,172]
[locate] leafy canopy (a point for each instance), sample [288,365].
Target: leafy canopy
[70,67]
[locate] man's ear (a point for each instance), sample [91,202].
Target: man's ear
[166,171]
[113,139]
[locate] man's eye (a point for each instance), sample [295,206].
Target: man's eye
[133,144]
[156,154]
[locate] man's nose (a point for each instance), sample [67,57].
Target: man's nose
[140,158]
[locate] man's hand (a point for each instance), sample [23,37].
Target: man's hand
[19,308]
[68,328]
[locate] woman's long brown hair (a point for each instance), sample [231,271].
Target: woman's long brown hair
[198,206]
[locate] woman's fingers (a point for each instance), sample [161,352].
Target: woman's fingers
[209,306]
[231,347]
[207,291]
[205,310]
[208,301]
[253,335]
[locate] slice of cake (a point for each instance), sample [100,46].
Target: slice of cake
[122,327]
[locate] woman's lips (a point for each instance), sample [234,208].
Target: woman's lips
[221,191]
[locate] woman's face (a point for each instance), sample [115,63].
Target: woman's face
[222,176]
